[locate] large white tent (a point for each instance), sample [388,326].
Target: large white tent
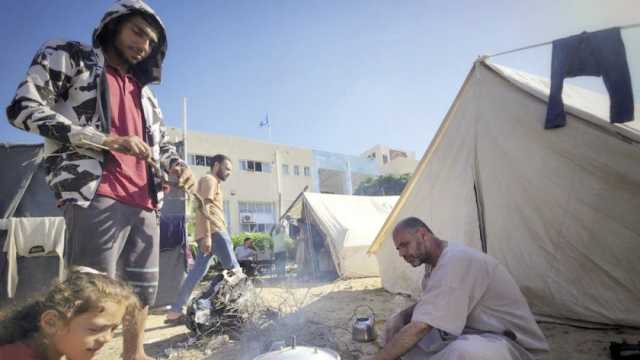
[559,208]
[350,224]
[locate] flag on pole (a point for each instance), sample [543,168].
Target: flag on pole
[265,122]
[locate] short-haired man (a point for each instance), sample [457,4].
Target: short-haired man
[470,308]
[246,255]
[101,126]
[211,234]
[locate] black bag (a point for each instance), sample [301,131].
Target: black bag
[215,311]
[624,351]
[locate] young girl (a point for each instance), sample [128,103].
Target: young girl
[75,319]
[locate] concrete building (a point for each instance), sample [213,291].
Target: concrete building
[268,177]
[391,161]
[336,173]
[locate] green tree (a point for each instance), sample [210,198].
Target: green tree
[383,185]
[261,240]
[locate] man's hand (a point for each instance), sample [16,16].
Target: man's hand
[392,326]
[131,145]
[205,245]
[403,341]
[185,177]
[396,322]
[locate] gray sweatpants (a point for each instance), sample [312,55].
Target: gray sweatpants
[120,240]
[483,346]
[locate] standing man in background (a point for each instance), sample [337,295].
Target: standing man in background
[211,235]
[280,239]
[85,99]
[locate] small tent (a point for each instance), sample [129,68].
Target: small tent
[559,208]
[349,224]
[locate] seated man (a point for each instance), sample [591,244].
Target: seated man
[470,308]
[246,255]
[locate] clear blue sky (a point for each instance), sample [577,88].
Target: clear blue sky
[335,75]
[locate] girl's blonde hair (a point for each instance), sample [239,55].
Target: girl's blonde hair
[81,292]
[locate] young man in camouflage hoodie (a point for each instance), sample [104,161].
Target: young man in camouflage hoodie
[84,100]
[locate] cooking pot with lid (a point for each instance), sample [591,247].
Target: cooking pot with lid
[295,352]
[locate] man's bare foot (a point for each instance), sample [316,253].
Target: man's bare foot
[133,335]
[172,315]
[174,318]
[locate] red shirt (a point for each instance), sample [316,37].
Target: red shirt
[17,351]
[125,177]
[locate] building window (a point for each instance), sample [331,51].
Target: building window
[256,216]
[255,166]
[285,169]
[200,160]
[395,154]
[307,171]
[244,165]
[385,159]
[296,170]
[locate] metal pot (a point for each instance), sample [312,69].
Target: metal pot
[362,329]
[294,352]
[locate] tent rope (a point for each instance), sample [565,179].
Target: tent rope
[630,26]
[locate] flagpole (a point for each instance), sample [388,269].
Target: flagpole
[267,123]
[184,129]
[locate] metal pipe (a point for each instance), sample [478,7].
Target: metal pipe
[201,205]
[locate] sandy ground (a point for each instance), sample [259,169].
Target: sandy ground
[320,314]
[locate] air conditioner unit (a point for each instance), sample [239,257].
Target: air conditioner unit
[247,218]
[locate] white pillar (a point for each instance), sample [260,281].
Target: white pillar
[348,182]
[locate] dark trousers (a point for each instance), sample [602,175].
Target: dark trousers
[109,233]
[281,262]
[248,267]
[599,53]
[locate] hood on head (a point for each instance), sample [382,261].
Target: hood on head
[148,70]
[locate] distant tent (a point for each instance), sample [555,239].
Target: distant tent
[349,224]
[559,208]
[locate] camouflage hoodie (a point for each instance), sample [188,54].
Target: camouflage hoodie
[65,99]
